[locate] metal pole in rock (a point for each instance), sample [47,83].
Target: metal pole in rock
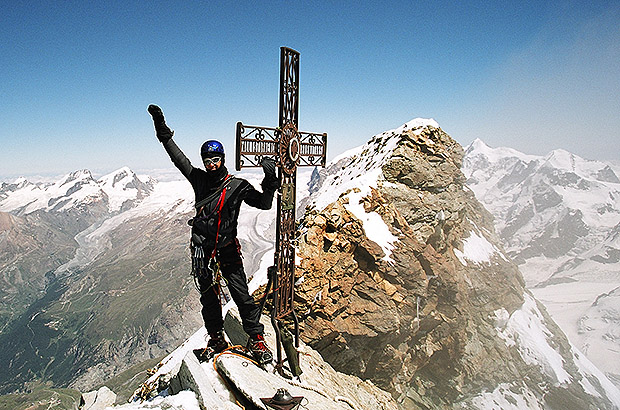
[290,149]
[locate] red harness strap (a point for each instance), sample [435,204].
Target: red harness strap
[219,206]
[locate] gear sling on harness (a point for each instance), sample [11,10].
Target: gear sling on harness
[212,266]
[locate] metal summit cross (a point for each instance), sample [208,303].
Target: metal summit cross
[290,148]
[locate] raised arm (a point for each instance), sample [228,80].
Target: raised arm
[164,135]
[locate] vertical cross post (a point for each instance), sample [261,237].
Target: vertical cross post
[290,149]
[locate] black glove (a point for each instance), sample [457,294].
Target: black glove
[161,129]
[270,182]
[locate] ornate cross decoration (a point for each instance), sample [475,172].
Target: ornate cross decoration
[290,148]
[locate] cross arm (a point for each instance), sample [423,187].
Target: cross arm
[256,142]
[313,149]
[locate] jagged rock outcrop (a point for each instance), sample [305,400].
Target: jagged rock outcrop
[401,281]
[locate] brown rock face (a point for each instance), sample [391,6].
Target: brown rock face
[419,322]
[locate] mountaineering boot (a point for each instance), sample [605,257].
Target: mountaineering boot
[216,344]
[259,349]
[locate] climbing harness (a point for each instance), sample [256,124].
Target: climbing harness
[207,270]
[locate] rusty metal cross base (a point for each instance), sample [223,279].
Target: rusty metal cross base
[284,338]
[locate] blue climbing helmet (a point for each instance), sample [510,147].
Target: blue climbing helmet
[212,148]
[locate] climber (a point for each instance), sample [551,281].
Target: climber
[214,244]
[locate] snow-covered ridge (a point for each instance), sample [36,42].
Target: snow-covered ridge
[504,179]
[72,190]
[526,329]
[360,169]
[496,154]
[559,159]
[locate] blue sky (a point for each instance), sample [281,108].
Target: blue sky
[76,77]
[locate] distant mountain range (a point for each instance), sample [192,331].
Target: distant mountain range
[116,191]
[558,217]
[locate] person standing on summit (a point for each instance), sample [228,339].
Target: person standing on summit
[214,243]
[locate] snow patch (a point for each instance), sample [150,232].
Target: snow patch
[505,398]
[527,330]
[374,226]
[172,362]
[185,400]
[476,249]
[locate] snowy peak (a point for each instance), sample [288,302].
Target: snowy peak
[117,176]
[513,185]
[561,159]
[518,188]
[477,145]
[79,188]
[21,183]
[123,187]
[478,153]
[594,170]
[120,178]
[6,188]
[360,167]
[81,176]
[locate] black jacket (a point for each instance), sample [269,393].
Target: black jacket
[208,188]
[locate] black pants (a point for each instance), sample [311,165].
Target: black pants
[232,270]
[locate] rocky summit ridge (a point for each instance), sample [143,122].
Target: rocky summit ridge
[403,281]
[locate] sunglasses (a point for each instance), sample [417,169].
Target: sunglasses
[212,160]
